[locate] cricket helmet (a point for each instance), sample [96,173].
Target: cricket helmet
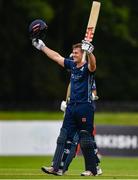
[37,29]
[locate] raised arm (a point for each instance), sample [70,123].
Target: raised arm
[53,55]
[91,62]
[88,47]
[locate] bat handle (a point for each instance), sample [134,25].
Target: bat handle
[84,56]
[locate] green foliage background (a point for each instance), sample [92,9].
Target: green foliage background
[28,77]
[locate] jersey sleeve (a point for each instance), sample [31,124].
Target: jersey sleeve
[68,64]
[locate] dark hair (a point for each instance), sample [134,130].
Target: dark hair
[78,45]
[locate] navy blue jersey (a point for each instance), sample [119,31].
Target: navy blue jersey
[81,82]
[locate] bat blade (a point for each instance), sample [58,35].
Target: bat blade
[95,9]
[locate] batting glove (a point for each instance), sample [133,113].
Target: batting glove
[63,106]
[94,98]
[38,44]
[87,46]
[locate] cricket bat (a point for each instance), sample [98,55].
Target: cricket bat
[95,9]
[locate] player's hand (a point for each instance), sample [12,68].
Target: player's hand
[38,43]
[94,98]
[87,46]
[63,106]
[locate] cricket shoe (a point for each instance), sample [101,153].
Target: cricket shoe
[50,170]
[60,172]
[99,171]
[87,173]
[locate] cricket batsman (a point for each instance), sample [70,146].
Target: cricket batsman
[79,116]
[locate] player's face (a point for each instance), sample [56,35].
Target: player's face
[77,55]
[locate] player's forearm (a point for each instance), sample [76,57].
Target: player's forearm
[55,56]
[92,62]
[94,92]
[50,53]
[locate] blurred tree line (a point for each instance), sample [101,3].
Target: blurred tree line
[28,77]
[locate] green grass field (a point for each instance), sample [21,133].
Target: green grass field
[111,118]
[29,168]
